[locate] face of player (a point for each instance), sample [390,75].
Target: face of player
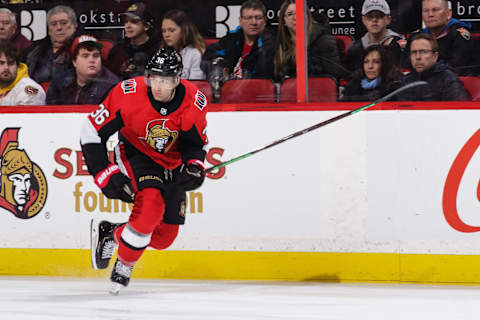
[8,70]
[252,22]
[372,65]
[376,21]
[435,14]
[21,187]
[421,55]
[60,29]
[135,28]
[7,27]
[289,19]
[171,33]
[163,87]
[88,63]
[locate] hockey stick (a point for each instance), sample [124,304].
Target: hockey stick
[318,125]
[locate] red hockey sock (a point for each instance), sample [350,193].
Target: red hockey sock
[136,235]
[163,236]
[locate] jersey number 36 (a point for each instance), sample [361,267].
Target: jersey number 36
[100,115]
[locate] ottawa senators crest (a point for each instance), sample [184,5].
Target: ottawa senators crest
[23,189]
[160,137]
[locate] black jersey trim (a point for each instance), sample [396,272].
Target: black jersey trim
[110,128]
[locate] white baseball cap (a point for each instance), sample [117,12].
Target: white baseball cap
[378,5]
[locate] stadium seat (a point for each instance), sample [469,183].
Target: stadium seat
[45,85]
[343,42]
[204,86]
[209,41]
[248,91]
[319,89]
[472,85]
[107,46]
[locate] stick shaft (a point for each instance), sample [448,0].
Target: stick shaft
[316,126]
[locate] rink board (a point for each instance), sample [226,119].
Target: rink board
[385,195]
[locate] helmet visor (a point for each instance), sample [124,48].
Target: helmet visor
[164,82]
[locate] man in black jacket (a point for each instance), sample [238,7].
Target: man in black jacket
[443,83]
[246,52]
[51,55]
[88,82]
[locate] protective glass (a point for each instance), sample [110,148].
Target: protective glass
[164,82]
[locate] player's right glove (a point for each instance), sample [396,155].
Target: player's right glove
[114,184]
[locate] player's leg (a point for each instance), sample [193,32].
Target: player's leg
[135,236]
[164,235]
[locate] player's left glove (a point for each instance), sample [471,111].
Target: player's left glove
[192,175]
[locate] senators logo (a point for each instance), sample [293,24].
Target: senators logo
[159,137]
[23,189]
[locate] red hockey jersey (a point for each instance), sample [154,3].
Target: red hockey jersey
[167,133]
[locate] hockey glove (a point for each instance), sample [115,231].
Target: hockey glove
[192,175]
[114,184]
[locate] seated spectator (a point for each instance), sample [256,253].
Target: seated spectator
[443,83]
[456,46]
[323,58]
[128,58]
[88,82]
[245,52]
[376,18]
[378,77]
[9,31]
[181,34]
[16,88]
[51,55]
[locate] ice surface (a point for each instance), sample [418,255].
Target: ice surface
[64,298]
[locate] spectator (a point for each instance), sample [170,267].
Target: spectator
[51,55]
[245,52]
[181,34]
[9,31]
[443,83]
[453,36]
[128,58]
[323,58]
[16,88]
[378,76]
[376,18]
[88,82]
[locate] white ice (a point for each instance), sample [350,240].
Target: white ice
[59,298]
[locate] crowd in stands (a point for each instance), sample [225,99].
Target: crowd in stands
[70,66]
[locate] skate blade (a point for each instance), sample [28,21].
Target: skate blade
[93,242]
[115,289]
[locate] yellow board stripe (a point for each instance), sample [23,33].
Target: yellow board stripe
[246,265]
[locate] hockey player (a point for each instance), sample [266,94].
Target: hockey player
[161,125]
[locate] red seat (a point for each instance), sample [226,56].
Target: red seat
[319,89]
[209,41]
[475,36]
[343,42]
[107,46]
[205,87]
[45,85]
[472,85]
[248,91]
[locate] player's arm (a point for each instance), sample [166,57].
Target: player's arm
[193,144]
[96,130]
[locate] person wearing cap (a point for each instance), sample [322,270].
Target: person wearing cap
[376,18]
[51,55]
[16,88]
[128,58]
[88,82]
[456,46]
[9,30]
